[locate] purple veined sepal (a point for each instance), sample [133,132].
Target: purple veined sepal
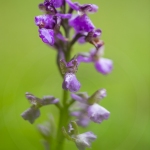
[93,37]
[87,8]
[81,23]
[82,9]
[45,21]
[33,112]
[49,6]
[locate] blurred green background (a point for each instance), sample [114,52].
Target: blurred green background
[29,65]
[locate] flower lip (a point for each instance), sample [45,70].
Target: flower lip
[47,36]
[97,113]
[84,140]
[71,83]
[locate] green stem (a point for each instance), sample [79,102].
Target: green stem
[63,117]
[63,120]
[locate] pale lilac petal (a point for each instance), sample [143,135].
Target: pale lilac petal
[71,83]
[104,65]
[97,113]
[47,36]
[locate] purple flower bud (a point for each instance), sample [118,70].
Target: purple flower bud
[84,140]
[97,113]
[71,83]
[81,23]
[47,36]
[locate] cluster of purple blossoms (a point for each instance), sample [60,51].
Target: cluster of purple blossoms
[54,29]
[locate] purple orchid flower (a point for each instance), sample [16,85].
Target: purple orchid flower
[49,28]
[95,112]
[102,65]
[70,81]
[84,140]
[49,6]
[33,112]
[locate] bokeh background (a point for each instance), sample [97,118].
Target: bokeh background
[29,65]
